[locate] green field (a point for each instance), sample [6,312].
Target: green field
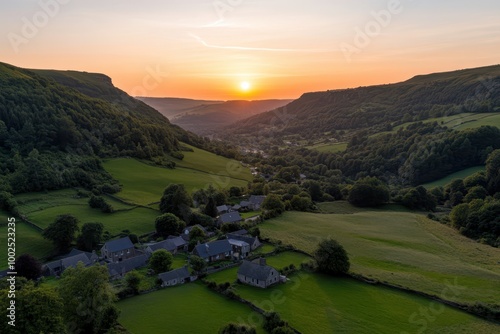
[315,304]
[228,275]
[190,308]
[28,240]
[458,175]
[281,260]
[329,147]
[401,248]
[144,184]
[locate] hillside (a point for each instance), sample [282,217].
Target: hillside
[205,117]
[332,114]
[53,125]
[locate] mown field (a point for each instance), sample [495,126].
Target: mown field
[458,175]
[144,184]
[28,240]
[401,248]
[190,308]
[315,304]
[329,147]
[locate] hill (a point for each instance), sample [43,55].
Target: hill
[205,117]
[55,124]
[332,114]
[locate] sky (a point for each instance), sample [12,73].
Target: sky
[249,49]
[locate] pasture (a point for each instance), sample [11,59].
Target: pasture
[401,248]
[189,308]
[144,184]
[315,304]
[329,147]
[458,175]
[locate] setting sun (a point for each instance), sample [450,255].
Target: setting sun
[245,86]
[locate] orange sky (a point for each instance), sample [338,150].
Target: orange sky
[204,49]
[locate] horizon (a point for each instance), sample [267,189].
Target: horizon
[243,50]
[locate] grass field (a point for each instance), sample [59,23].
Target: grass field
[458,175]
[329,147]
[190,308]
[401,248]
[315,304]
[144,184]
[28,240]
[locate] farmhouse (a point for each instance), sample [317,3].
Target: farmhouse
[223,209]
[167,244]
[256,202]
[241,249]
[118,250]
[230,217]
[179,242]
[258,273]
[119,269]
[214,251]
[254,242]
[56,268]
[176,276]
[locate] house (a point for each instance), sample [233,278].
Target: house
[223,209]
[256,202]
[179,242]
[167,244]
[258,273]
[176,276]
[118,250]
[230,217]
[119,269]
[254,242]
[214,251]
[236,207]
[56,268]
[241,249]
[244,205]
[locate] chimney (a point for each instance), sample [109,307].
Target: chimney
[262,261]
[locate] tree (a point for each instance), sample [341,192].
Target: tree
[197,263]
[235,192]
[196,233]
[477,192]
[168,224]
[29,267]
[299,203]
[40,310]
[369,191]
[283,330]
[133,280]
[233,328]
[90,236]
[331,257]
[98,202]
[493,171]
[176,200]
[201,219]
[88,299]
[211,208]
[273,320]
[160,261]
[62,232]
[273,203]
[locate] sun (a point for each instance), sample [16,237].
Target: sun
[245,86]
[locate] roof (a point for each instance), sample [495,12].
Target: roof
[256,199]
[240,232]
[125,266]
[249,240]
[255,270]
[118,245]
[167,244]
[236,207]
[175,274]
[244,204]
[230,217]
[213,248]
[238,243]
[178,241]
[72,261]
[222,208]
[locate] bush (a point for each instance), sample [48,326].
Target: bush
[331,258]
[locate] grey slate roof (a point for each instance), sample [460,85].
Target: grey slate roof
[178,241]
[213,248]
[72,261]
[167,244]
[255,270]
[249,240]
[236,207]
[244,204]
[181,273]
[238,243]
[222,208]
[118,245]
[125,266]
[230,217]
[257,199]
[240,232]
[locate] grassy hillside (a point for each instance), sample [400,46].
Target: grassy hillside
[458,175]
[399,247]
[190,308]
[314,303]
[329,148]
[144,184]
